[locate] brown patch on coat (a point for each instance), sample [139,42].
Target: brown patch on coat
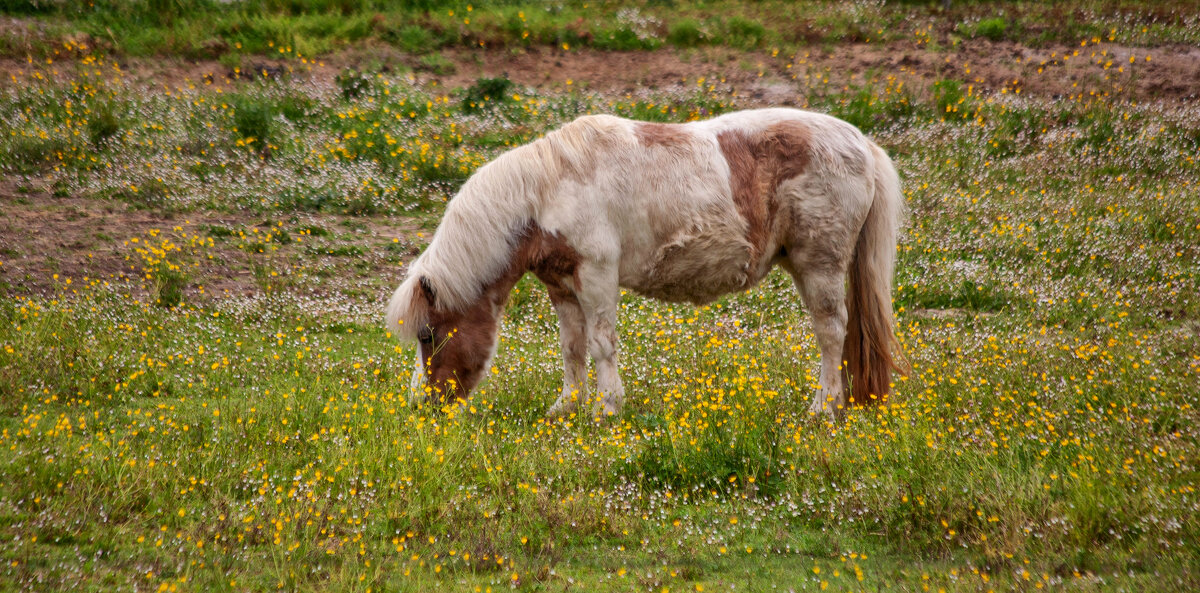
[788,149]
[462,341]
[758,163]
[550,258]
[745,180]
[664,135]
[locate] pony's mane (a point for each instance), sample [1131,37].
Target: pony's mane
[475,241]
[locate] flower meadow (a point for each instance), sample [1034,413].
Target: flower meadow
[228,413]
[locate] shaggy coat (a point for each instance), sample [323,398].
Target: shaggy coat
[678,212]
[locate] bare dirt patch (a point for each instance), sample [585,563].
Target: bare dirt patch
[46,241]
[609,72]
[1162,73]
[1170,73]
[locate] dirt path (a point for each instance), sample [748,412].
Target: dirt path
[46,241]
[1169,73]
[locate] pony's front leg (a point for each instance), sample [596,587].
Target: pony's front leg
[572,337]
[599,297]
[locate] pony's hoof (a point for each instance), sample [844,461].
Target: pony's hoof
[562,409]
[606,408]
[565,405]
[822,409]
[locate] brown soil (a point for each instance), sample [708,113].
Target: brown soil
[608,72]
[41,237]
[49,243]
[1170,73]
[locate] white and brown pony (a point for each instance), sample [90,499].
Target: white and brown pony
[683,212]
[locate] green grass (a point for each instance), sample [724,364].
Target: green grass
[990,28]
[685,33]
[210,29]
[153,435]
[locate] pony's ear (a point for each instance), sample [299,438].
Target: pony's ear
[427,291]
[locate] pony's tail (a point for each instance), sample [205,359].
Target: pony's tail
[871,350]
[408,311]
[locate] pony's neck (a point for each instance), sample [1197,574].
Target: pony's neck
[543,253]
[496,292]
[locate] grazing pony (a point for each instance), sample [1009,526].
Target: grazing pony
[678,212]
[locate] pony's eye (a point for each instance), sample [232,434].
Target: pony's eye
[425,336]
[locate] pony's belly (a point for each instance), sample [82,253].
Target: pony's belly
[697,267]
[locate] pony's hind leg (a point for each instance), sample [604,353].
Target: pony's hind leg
[572,337]
[824,295]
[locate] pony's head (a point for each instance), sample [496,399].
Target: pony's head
[455,345]
[452,298]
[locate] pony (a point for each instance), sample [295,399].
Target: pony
[678,212]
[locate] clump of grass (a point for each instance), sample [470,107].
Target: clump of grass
[437,64]
[870,106]
[312,230]
[971,295]
[949,99]
[103,124]
[737,454]
[26,153]
[151,193]
[167,285]
[166,261]
[256,116]
[416,39]
[253,119]
[232,61]
[486,93]
[743,33]
[1017,130]
[649,110]
[352,83]
[990,28]
[337,250]
[362,204]
[1097,129]
[217,230]
[623,38]
[685,32]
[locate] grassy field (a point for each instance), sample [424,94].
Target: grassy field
[212,28]
[197,393]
